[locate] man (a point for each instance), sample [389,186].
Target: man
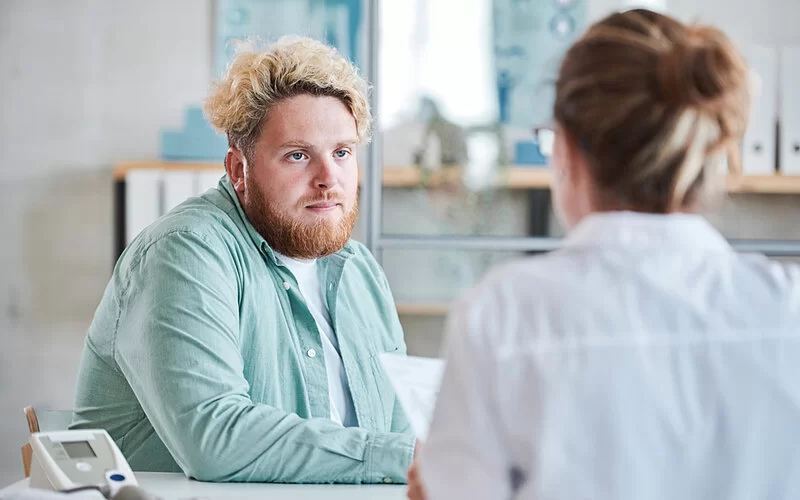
[238,337]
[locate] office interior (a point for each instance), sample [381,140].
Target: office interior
[101,133]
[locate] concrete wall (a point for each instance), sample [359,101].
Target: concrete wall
[86,83]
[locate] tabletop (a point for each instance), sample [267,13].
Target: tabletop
[176,486]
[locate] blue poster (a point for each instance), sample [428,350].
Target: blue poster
[530,38]
[336,22]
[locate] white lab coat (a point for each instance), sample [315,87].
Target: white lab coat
[644,360]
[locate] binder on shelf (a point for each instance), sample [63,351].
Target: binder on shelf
[142,200]
[760,139]
[207,180]
[178,186]
[790,111]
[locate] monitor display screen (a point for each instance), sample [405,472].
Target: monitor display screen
[79,449]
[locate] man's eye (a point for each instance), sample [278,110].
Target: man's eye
[297,156]
[342,153]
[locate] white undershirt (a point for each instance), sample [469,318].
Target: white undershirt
[305,272]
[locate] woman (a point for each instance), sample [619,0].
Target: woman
[645,359]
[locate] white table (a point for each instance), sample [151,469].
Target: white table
[174,486]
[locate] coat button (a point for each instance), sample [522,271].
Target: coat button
[286,285]
[311,353]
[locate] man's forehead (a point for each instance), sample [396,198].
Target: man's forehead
[306,110]
[311,130]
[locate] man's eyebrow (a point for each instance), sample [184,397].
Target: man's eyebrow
[296,144]
[306,145]
[347,142]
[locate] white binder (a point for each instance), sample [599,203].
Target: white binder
[142,200]
[178,186]
[760,140]
[790,111]
[207,179]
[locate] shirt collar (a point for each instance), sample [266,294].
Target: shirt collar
[641,231]
[308,263]
[226,187]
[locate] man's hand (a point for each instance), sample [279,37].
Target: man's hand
[415,491]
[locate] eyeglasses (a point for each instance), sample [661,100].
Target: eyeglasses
[545,137]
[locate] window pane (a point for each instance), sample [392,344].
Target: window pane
[462,84]
[424,281]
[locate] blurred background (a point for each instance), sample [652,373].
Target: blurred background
[102,132]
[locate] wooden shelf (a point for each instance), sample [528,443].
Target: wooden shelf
[121,169]
[764,184]
[511,178]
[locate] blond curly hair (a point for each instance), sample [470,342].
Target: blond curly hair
[257,79]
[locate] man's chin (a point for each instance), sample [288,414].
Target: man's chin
[332,218]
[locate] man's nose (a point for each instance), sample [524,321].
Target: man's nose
[325,174]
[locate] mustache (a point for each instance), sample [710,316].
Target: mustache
[326,197]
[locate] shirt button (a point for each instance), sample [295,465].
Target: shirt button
[311,353]
[286,285]
[387,480]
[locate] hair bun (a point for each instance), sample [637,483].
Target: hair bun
[704,70]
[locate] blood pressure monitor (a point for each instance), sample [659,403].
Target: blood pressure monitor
[66,460]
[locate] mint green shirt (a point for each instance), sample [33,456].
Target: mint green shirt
[204,357]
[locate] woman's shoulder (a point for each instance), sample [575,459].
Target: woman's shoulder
[523,286]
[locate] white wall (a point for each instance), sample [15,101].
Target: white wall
[83,83]
[86,83]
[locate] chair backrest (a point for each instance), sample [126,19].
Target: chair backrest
[42,421]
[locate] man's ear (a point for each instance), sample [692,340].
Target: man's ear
[234,165]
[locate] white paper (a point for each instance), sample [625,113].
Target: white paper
[416,382]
